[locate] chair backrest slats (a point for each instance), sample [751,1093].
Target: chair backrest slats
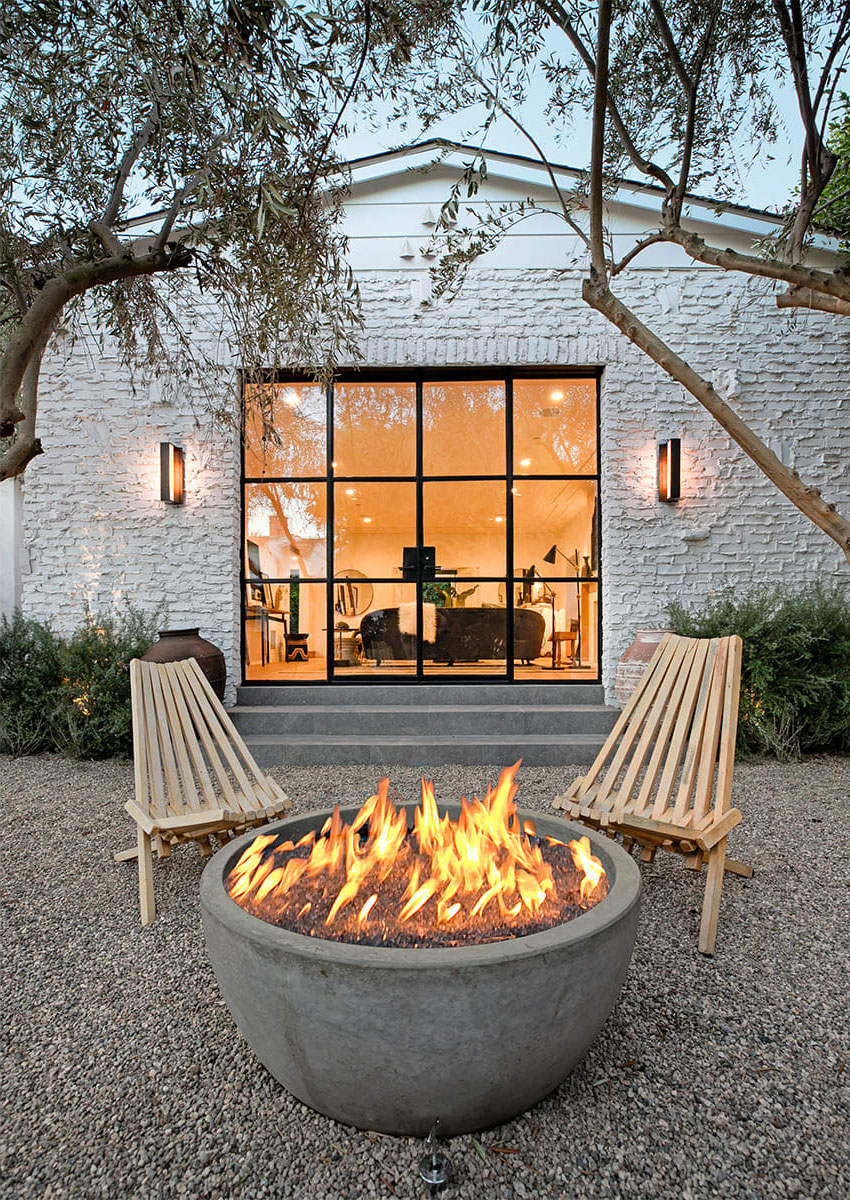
[654,721]
[687,779]
[675,700]
[177,730]
[670,754]
[681,728]
[188,755]
[262,782]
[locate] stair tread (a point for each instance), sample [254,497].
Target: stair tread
[435,739]
[420,708]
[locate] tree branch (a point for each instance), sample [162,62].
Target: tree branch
[131,155]
[830,283]
[807,499]
[556,13]
[26,445]
[637,249]
[565,211]
[598,265]
[798,297]
[47,306]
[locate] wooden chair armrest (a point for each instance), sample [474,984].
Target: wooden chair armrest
[184,821]
[704,838]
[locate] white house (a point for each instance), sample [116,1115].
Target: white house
[488,474]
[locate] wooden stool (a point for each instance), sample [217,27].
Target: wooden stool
[565,637]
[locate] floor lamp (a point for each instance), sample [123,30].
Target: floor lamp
[549,558]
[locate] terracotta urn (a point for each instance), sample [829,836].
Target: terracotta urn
[177,644]
[633,662]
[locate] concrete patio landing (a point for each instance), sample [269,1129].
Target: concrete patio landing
[124,1075]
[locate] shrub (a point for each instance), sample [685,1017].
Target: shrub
[795,676]
[95,719]
[30,683]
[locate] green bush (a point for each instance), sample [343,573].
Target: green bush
[74,695]
[95,720]
[795,676]
[30,682]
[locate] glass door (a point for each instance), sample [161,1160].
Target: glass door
[416,528]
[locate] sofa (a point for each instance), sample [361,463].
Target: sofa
[462,635]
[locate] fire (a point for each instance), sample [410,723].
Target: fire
[375,873]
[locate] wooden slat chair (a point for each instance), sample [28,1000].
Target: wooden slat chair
[194,774]
[664,776]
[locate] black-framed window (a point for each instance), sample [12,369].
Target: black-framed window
[496,469]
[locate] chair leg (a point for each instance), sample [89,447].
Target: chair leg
[146,900]
[711,903]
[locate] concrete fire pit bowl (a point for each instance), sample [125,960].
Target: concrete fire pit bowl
[390,1039]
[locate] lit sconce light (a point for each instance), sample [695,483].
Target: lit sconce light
[171,473]
[669,470]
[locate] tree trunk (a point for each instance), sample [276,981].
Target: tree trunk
[807,499]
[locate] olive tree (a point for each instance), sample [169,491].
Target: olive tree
[157,154]
[668,85]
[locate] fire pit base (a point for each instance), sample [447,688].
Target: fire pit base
[390,1039]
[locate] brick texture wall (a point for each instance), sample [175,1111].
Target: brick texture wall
[95,530]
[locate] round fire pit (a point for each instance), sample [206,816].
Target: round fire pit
[390,1039]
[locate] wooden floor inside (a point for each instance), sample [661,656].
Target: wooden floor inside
[315,670]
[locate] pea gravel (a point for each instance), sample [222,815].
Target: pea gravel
[125,1077]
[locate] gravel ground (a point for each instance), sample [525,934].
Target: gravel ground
[125,1077]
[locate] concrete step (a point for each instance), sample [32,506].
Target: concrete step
[425,751]
[358,720]
[398,695]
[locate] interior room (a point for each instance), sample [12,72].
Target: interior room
[417,528]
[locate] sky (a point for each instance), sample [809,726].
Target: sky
[766,183]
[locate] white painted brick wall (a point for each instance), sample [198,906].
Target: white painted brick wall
[95,530]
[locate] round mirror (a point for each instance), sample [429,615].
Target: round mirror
[352,597]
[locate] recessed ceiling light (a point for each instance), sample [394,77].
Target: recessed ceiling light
[498,520]
[516,492]
[556,395]
[350,492]
[291,398]
[525,462]
[367,520]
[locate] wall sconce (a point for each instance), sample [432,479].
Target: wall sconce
[669,470]
[171,473]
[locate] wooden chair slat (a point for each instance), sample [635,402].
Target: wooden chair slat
[674,746]
[261,780]
[648,688]
[156,780]
[189,791]
[681,730]
[687,779]
[655,664]
[644,804]
[711,737]
[187,755]
[174,793]
[654,720]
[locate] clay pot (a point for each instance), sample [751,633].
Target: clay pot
[176,644]
[633,662]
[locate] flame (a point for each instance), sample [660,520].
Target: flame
[585,861]
[485,859]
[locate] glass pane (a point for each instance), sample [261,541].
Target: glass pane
[375,429]
[554,426]
[286,530]
[464,627]
[381,639]
[466,524]
[463,428]
[572,610]
[285,429]
[555,518]
[373,522]
[285,631]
